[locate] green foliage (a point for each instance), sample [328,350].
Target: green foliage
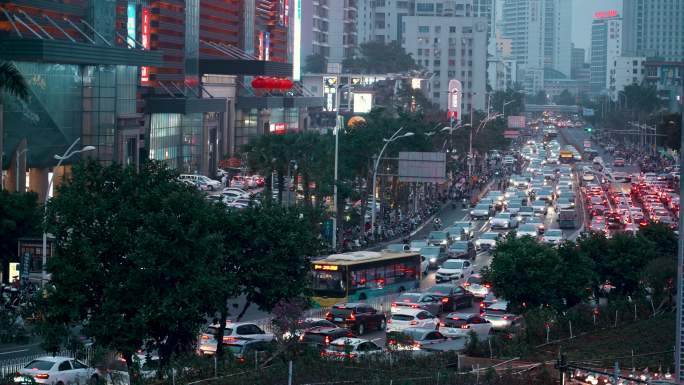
[671,127]
[135,254]
[516,99]
[538,98]
[642,99]
[662,238]
[315,63]
[473,347]
[377,57]
[19,217]
[575,275]
[12,81]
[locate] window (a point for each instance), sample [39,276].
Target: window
[423,29]
[64,366]
[452,29]
[429,7]
[79,365]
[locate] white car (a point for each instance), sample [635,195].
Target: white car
[407,317]
[351,348]
[454,270]
[481,211]
[458,325]
[487,240]
[232,331]
[540,207]
[55,370]
[527,229]
[553,237]
[504,220]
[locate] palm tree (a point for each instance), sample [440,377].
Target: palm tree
[12,82]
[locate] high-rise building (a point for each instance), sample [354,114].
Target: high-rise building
[540,31]
[577,61]
[606,47]
[329,29]
[622,72]
[654,28]
[450,48]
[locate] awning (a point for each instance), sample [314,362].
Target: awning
[229,60]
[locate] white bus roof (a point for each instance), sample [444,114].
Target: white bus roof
[357,257]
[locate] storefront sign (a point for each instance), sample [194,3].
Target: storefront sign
[145,71]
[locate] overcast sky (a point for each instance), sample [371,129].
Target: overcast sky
[582,15]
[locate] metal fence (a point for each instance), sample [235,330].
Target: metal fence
[13,365]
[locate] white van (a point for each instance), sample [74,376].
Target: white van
[202,180]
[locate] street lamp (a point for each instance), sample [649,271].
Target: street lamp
[61,158]
[394,137]
[503,108]
[470,141]
[16,177]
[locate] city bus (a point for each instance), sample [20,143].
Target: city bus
[361,275]
[566,156]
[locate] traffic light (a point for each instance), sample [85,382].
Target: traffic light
[588,129]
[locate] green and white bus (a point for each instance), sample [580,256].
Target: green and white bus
[361,275]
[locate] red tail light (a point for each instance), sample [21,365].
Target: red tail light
[413,323]
[352,317]
[482,304]
[488,286]
[414,306]
[442,324]
[205,337]
[242,360]
[328,316]
[327,340]
[392,342]
[389,321]
[43,376]
[416,344]
[466,284]
[505,317]
[445,299]
[301,338]
[465,326]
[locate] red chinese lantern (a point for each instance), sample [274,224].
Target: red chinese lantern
[287,84]
[271,83]
[258,83]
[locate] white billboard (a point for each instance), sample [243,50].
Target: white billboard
[454,100]
[296,43]
[363,102]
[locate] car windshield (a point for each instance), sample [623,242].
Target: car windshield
[474,280]
[459,246]
[502,216]
[528,228]
[402,317]
[409,297]
[429,251]
[482,206]
[525,209]
[39,365]
[453,265]
[489,236]
[440,289]
[438,235]
[554,233]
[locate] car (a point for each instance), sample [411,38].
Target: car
[306,324]
[487,241]
[553,237]
[453,296]
[514,207]
[618,162]
[398,247]
[481,211]
[457,325]
[527,229]
[453,270]
[404,318]
[416,246]
[476,286]
[433,254]
[526,212]
[244,350]
[504,220]
[540,207]
[55,370]
[565,203]
[425,301]
[232,331]
[414,338]
[497,313]
[614,221]
[598,224]
[466,229]
[358,317]
[438,238]
[546,194]
[322,336]
[462,250]
[351,348]
[202,180]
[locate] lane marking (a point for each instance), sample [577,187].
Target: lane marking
[15,351]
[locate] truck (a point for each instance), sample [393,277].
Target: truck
[567,219]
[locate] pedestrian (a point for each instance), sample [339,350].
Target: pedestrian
[224,180]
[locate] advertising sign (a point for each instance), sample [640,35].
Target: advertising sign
[145,71]
[363,102]
[427,167]
[587,144]
[516,122]
[454,100]
[278,128]
[130,25]
[296,45]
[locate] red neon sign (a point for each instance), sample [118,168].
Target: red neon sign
[145,71]
[606,14]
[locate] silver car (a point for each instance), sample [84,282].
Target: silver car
[429,302]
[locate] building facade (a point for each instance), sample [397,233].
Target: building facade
[329,29]
[606,47]
[666,77]
[654,28]
[622,72]
[450,48]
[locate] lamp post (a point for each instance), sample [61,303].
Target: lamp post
[470,141]
[503,107]
[16,177]
[394,137]
[61,158]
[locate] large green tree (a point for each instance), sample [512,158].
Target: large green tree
[380,58]
[137,254]
[19,217]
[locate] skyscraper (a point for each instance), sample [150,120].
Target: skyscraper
[541,32]
[606,32]
[329,29]
[654,28]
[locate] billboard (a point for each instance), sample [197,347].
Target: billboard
[130,25]
[145,71]
[296,42]
[516,121]
[454,100]
[363,102]
[426,167]
[587,112]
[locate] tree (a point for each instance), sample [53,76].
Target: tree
[524,272]
[670,126]
[12,82]
[380,58]
[19,217]
[566,98]
[643,100]
[538,98]
[575,275]
[136,252]
[662,237]
[315,63]
[514,98]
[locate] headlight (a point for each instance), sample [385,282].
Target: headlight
[433,260]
